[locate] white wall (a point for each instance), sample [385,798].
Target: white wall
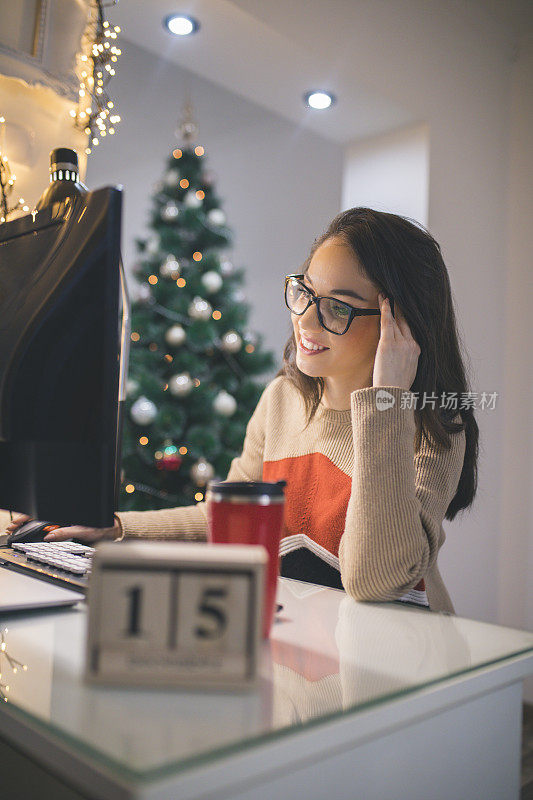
[389,173]
[280,185]
[515,586]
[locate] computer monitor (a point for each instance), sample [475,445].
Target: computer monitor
[64,336]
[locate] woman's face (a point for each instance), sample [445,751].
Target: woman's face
[334,271]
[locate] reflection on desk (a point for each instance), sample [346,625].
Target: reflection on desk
[327,654]
[369,653]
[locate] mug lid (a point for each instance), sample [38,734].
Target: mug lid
[247,488]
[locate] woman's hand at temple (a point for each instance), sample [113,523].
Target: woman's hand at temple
[397,352]
[80,532]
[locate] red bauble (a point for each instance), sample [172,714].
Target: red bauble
[169,462]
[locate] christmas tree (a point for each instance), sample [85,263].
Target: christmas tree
[194,363]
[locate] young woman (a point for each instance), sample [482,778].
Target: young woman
[364,420]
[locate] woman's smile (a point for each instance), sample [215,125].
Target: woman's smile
[309,347]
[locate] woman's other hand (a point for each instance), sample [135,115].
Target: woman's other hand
[83,534]
[397,352]
[80,532]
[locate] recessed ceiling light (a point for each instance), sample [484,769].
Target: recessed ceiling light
[318,99]
[181,24]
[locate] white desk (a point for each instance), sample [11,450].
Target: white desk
[356,700]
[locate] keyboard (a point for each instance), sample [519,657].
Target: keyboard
[64,563]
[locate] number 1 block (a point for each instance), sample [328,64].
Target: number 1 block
[175,614]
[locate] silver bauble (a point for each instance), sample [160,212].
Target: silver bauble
[238,296]
[225,404]
[152,245]
[191,200]
[175,335]
[172,177]
[200,309]
[132,387]
[231,342]
[180,385]
[202,472]
[143,411]
[227,268]
[212,282]
[170,268]
[144,293]
[216,216]
[170,211]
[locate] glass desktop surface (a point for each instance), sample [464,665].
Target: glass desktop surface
[327,656]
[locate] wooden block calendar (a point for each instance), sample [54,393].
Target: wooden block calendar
[175,614]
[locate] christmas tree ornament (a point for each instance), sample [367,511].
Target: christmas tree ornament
[231,342]
[250,337]
[191,200]
[225,404]
[152,245]
[144,293]
[212,282]
[187,127]
[216,216]
[175,335]
[170,268]
[202,472]
[172,177]
[132,387]
[181,385]
[168,460]
[238,296]
[200,309]
[143,411]
[170,211]
[227,268]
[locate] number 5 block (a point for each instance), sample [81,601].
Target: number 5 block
[175,614]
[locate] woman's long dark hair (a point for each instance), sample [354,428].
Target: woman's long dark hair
[405,262]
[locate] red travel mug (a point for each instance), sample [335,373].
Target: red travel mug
[249,513]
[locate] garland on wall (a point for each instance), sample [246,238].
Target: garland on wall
[95,113]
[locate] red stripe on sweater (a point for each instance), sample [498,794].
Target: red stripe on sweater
[317,497]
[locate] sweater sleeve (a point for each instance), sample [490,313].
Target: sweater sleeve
[398,498]
[249,465]
[189,523]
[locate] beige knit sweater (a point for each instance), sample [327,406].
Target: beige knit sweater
[358,495]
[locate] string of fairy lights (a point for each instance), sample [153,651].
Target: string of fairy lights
[95,113]
[13,663]
[7,181]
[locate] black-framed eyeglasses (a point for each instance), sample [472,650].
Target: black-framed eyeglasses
[334,315]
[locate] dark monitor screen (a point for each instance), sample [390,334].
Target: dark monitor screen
[60,352]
